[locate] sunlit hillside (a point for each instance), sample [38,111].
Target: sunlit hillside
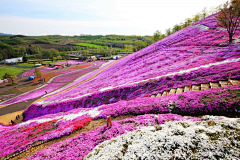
[167,101]
[196,54]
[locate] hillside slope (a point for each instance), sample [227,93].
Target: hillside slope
[196,54]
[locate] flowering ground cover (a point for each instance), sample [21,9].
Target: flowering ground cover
[35,93]
[32,72]
[213,101]
[74,74]
[198,53]
[96,67]
[55,83]
[211,139]
[79,146]
[82,66]
[3,127]
[70,62]
[62,71]
[131,92]
[23,135]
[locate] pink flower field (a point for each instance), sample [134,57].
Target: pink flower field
[194,124]
[180,59]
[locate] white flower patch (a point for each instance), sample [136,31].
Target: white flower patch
[201,26]
[37,121]
[93,112]
[177,140]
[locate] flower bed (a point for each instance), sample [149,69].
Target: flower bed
[63,71]
[178,140]
[23,135]
[202,75]
[79,146]
[34,94]
[192,55]
[73,75]
[32,72]
[70,62]
[176,57]
[3,127]
[212,101]
[82,66]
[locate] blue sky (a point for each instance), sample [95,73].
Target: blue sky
[74,17]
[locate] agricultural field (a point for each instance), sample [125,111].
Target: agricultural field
[178,98]
[87,45]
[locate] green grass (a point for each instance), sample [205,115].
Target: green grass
[11,70]
[25,64]
[53,61]
[87,45]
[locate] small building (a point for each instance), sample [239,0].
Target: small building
[12,60]
[117,56]
[91,58]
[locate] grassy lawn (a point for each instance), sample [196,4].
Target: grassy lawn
[11,70]
[26,64]
[87,45]
[53,61]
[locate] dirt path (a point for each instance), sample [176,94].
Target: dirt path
[9,113]
[91,126]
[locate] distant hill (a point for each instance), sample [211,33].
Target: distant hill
[5,34]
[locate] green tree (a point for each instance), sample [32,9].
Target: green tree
[176,28]
[128,48]
[38,73]
[157,36]
[188,22]
[59,57]
[229,17]
[25,59]
[22,50]
[204,12]
[9,77]
[148,41]
[54,59]
[196,18]
[1,57]
[8,50]
[168,31]
[138,45]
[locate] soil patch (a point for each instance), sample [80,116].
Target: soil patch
[6,119]
[67,42]
[16,107]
